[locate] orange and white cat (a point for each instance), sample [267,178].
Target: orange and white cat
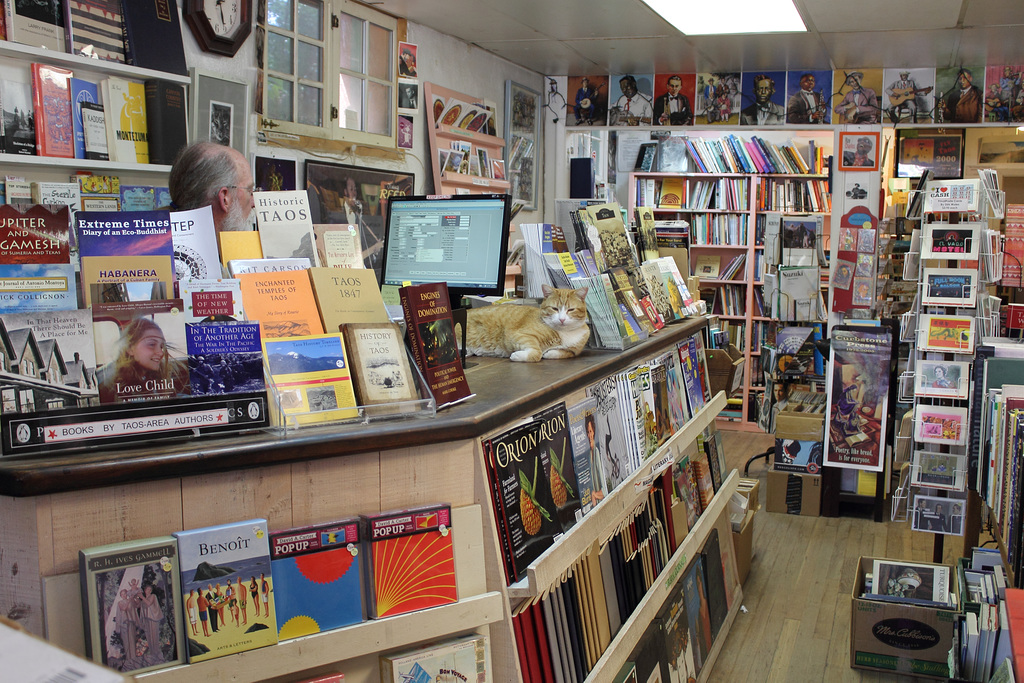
[557,329]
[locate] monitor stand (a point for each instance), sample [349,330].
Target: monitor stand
[459,318]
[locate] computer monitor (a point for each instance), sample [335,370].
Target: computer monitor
[461,240]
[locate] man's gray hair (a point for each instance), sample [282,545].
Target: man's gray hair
[199,171]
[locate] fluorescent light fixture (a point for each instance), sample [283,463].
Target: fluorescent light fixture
[718,17]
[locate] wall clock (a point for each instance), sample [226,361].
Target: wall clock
[220,26]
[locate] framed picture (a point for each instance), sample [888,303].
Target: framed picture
[274,174]
[218,109]
[938,470]
[941,425]
[942,379]
[952,242]
[859,151]
[950,287]
[918,151]
[522,142]
[356,196]
[938,515]
[946,333]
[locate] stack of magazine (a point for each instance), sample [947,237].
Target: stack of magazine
[925,585]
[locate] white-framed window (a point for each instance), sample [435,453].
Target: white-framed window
[26,401]
[330,71]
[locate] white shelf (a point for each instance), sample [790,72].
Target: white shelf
[602,521]
[52,57]
[76,164]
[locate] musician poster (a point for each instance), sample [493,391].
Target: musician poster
[589,106]
[857,96]
[858,396]
[807,97]
[908,95]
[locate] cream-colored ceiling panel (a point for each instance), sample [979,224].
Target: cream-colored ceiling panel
[893,48]
[994,45]
[765,52]
[994,13]
[545,57]
[882,15]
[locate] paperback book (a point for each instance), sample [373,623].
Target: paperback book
[225,358]
[127,132]
[36,272]
[609,447]
[242,266]
[583,433]
[16,100]
[554,437]
[338,246]
[383,373]
[194,236]
[312,377]
[212,300]
[911,580]
[125,256]
[93,29]
[51,97]
[285,226]
[283,302]
[462,659]
[347,295]
[431,333]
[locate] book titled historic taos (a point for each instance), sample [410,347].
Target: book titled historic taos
[127,132]
[312,376]
[195,244]
[225,358]
[317,577]
[411,560]
[125,256]
[283,302]
[347,295]
[338,245]
[431,331]
[554,437]
[36,273]
[59,341]
[217,300]
[381,369]
[285,226]
[225,573]
[132,604]
[51,100]
[461,659]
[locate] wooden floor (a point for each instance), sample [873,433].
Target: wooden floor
[797,625]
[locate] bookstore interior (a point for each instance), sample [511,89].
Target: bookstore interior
[451,402]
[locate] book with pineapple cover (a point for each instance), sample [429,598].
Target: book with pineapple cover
[519,471]
[410,560]
[461,659]
[312,376]
[431,333]
[218,565]
[317,577]
[583,433]
[132,604]
[224,358]
[126,256]
[554,436]
[51,100]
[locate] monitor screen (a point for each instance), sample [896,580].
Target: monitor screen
[461,240]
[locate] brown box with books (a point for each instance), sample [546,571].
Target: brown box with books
[794,493]
[900,637]
[725,369]
[743,542]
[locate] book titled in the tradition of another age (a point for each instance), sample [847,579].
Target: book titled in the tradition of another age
[283,302]
[165,116]
[317,577]
[462,659]
[338,245]
[152,36]
[51,100]
[224,358]
[411,560]
[382,372]
[285,226]
[36,273]
[216,300]
[347,295]
[81,91]
[127,133]
[312,376]
[222,567]
[554,437]
[428,317]
[195,244]
[125,256]
[39,24]
[132,604]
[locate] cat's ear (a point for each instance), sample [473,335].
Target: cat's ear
[581,292]
[546,290]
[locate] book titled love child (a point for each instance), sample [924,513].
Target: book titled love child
[411,560]
[226,582]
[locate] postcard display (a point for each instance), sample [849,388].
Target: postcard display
[953,256]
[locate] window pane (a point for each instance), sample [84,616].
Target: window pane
[380,53]
[351,42]
[309,62]
[350,102]
[378,108]
[279,99]
[279,53]
[311,19]
[279,13]
[310,105]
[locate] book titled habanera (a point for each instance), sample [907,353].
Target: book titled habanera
[428,317]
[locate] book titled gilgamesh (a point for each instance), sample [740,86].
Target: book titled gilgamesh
[225,575]
[431,331]
[347,295]
[283,302]
[312,376]
[35,269]
[382,371]
[127,132]
[317,577]
[165,116]
[126,256]
[51,100]
[411,560]
[132,604]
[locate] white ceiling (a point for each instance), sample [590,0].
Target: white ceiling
[577,37]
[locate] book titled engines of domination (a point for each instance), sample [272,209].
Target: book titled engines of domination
[428,317]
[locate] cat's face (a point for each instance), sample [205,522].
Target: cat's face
[564,308]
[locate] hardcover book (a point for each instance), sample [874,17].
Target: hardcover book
[462,659]
[223,569]
[212,300]
[94,137]
[431,333]
[317,577]
[195,244]
[39,24]
[582,431]
[224,358]
[132,604]
[125,256]
[411,560]
[237,267]
[312,377]
[554,437]
[285,226]
[283,302]
[94,29]
[127,133]
[347,295]
[51,100]
[152,36]
[382,370]
[165,115]
[338,245]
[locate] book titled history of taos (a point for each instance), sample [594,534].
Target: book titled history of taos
[431,331]
[411,560]
[312,376]
[225,358]
[285,225]
[283,302]
[382,372]
[51,100]
[36,273]
[225,575]
[127,134]
[132,604]
[317,577]
[126,256]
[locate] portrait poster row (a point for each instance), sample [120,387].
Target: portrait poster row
[965,94]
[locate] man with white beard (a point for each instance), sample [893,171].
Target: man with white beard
[208,174]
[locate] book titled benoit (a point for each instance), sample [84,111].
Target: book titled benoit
[428,317]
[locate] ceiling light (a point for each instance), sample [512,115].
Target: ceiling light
[730,16]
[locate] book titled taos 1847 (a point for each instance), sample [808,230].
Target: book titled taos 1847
[431,331]
[411,562]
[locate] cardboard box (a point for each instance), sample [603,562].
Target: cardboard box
[751,490]
[794,493]
[888,636]
[743,541]
[799,442]
[725,369]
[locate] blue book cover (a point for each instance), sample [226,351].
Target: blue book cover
[152,36]
[81,91]
[37,287]
[225,358]
[127,254]
[226,580]
[138,198]
[317,578]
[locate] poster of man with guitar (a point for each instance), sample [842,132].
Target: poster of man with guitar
[859,103]
[907,99]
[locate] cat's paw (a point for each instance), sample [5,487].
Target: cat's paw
[558,353]
[525,356]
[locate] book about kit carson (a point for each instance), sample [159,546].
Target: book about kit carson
[225,574]
[428,317]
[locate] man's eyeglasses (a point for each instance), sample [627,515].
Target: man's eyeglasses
[250,188]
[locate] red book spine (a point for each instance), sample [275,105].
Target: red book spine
[524,665]
[530,639]
[541,633]
[51,101]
